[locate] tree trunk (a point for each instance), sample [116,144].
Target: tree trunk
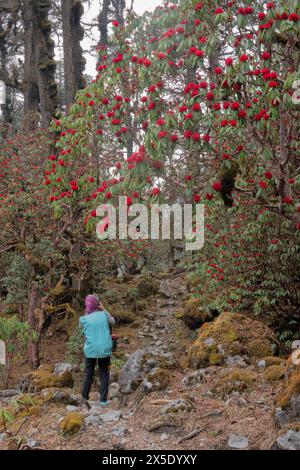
[33,346]
[39,68]
[30,81]
[46,64]
[103,23]
[74,62]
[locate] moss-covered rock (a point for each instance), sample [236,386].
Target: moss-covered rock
[146,286]
[274,373]
[274,361]
[228,335]
[193,314]
[234,380]
[159,378]
[72,423]
[44,377]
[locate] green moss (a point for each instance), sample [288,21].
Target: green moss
[71,424]
[235,380]
[232,333]
[160,378]
[44,377]
[274,361]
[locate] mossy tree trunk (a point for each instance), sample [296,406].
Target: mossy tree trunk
[33,346]
[30,81]
[74,62]
[40,88]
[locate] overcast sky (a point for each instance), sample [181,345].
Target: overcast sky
[140,6]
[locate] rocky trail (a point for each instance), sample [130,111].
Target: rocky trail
[156,401]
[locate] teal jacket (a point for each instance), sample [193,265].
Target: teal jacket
[98,342]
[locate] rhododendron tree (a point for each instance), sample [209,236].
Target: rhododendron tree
[195,104]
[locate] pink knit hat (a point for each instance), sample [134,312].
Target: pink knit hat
[91,304]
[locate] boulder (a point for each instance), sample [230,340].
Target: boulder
[146,286]
[231,334]
[193,314]
[61,368]
[144,365]
[132,372]
[44,377]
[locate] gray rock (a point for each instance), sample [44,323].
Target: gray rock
[261,364]
[113,390]
[296,344]
[290,413]
[3,436]
[132,372]
[120,432]
[146,386]
[209,342]
[71,408]
[176,406]
[31,442]
[235,361]
[288,441]
[92,420]
[62,367]
[113,415]
[9,393]
[237,442]
[236,400]
[199,376]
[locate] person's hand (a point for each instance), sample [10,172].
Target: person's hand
[100,305]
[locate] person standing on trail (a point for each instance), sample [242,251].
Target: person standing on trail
[96,325]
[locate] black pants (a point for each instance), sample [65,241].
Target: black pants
[89,370]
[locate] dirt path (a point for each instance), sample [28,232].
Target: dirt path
[207,422]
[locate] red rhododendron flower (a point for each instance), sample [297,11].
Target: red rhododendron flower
[196,107]
[244,58]
[155,191]
[263,184]
[217,186]
[294,17]
[268,175]
[196,198]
